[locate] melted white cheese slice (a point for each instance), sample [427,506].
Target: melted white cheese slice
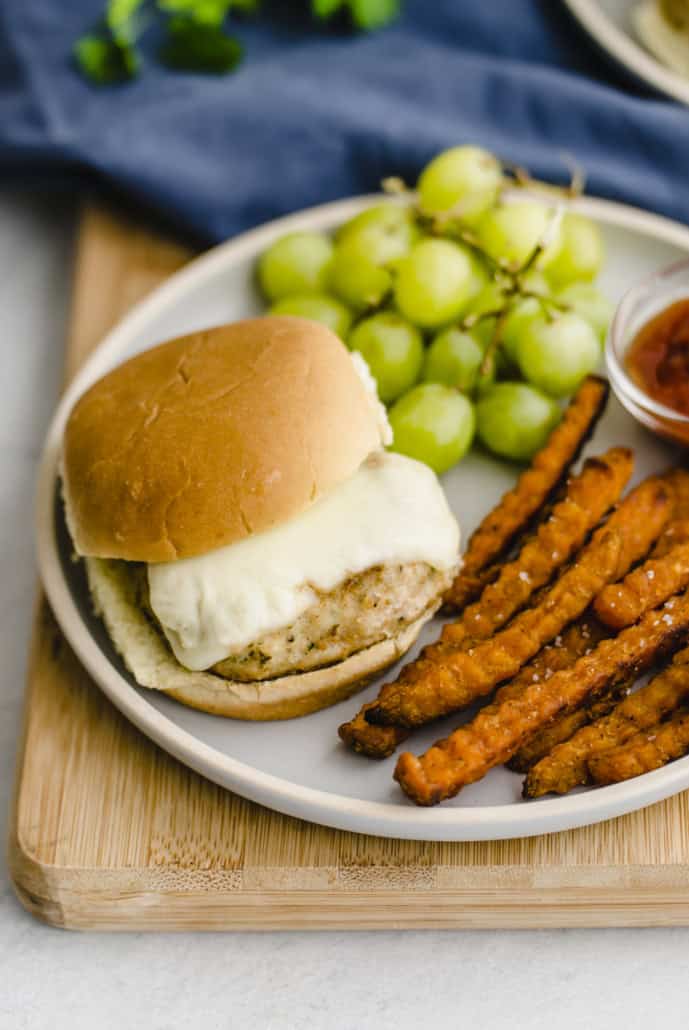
[392,509]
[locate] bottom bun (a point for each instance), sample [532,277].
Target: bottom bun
[148,658]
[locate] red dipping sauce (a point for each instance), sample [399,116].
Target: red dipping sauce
[658,358]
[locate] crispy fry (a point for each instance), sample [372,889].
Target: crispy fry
[678,481]
[565,726]
[578,639]
[566,766]
[676,533]
[589,495]
[500,729]
[441,681]
[620,604]
[644,752]
[372,741]
[469,585]
[500,528]
[677,530]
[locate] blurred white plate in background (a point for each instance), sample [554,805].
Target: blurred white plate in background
[610,23]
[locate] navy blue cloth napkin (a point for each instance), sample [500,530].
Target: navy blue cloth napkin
[314,114]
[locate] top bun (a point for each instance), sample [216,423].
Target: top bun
[212,437]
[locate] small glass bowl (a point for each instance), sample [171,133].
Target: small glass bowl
[638,306]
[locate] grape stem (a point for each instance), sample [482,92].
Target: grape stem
[371,308]
[519,176]
[546,302]
[449,229]
[471,321]
[510,280]
[549,234]
[495,341]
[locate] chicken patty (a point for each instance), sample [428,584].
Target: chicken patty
[374,605]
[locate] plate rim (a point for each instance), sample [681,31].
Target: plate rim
[402,820]
[626,50]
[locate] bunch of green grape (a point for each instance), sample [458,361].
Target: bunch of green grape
[476,314]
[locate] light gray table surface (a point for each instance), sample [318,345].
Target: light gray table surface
[53,979]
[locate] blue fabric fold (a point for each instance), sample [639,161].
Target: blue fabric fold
[314,114]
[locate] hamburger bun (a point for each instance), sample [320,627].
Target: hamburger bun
[214,436]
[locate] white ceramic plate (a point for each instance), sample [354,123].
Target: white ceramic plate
[299,767]
[610,25]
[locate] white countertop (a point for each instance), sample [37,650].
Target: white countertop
[542,979]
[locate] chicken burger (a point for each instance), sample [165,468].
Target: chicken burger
[251,546]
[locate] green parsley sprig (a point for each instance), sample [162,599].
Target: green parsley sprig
[197,37]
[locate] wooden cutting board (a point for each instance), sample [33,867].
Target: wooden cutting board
[109,832]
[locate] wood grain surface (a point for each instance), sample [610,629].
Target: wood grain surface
[110,833]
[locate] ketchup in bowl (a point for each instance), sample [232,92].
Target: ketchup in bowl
[658,357]
[647,352]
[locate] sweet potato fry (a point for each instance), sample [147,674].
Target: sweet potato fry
[655,581]
[565,726]
[677,530]
[676,533]
[517,509]
[566,766]
[440,681]
[500,729]
[589,496]
[576,640]
[579,638]
[621,604]
[678,480]
[373,741]
[644,752]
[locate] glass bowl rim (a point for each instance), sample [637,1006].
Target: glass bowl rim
[615,366]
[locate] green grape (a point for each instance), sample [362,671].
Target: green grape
[319,307]
[465,180]
[382,234]
[581,254]
[434,424]
[480,274]
[434,283]
[393,350]
[514,420]
[522,312]
[586,300]
[357,281]
[490,298]
[510,232]
[556,354]
[455,358]
[297,263]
